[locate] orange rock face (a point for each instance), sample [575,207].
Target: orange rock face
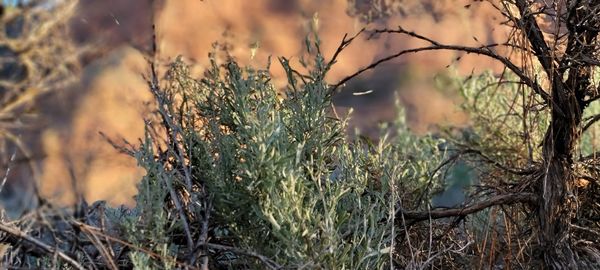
[111,95]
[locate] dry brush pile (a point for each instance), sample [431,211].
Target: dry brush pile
[36,61]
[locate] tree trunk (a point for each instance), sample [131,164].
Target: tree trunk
[558,205]
[555,213]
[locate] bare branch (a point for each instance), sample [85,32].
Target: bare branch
[474,208]
[203,239]
[590,122]
[343,44]
[498,164]
[436,46]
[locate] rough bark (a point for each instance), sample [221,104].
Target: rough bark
[557,206]
[558,203]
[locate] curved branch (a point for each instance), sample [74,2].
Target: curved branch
[471,209]
[483,50]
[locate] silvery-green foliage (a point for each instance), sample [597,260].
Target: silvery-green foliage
[140,260]
[148,224]
[282,178]
[277,155]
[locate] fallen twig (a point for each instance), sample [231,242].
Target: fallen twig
[43,246]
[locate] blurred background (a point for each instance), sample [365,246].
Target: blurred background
[107,41]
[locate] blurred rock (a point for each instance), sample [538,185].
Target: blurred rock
[111,94]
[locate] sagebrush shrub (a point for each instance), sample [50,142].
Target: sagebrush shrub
[274,169]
